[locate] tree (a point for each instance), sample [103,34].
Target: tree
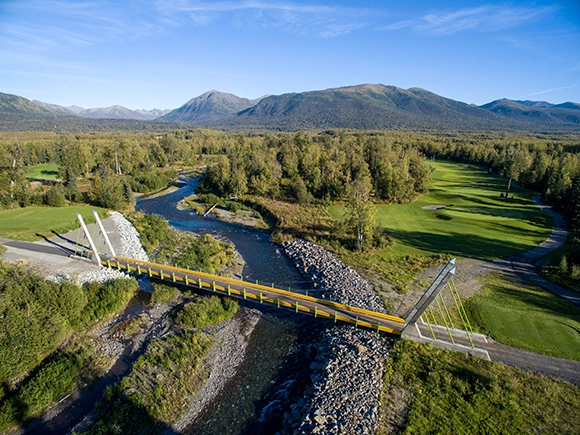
[71,190]
[70,157]
[514,161]
[360,208]
[573,203]
[55,196]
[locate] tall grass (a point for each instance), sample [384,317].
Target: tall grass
[158,389]
[442,392]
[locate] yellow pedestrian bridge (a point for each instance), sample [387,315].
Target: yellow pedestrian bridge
[261,294]
[423,319]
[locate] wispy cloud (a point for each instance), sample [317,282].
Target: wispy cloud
[320,20]
[548,91]
[482,18]
[72,25]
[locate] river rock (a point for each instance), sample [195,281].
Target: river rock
[347,373]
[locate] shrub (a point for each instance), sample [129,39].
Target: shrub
[50,383]
[152,229]
[54,196]
[209,199]
[206,310]
[108,298]
[36,316]
[152,180]
[163,293]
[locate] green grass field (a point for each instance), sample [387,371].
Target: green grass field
[48,171]
[475,222]
[519,314]
[452,393]
[25,223]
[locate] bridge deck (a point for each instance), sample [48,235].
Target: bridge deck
[263,294]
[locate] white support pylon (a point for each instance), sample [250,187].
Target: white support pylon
[104,233]
[96,257]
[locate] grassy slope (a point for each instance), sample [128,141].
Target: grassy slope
[452,393]
[476,222]
[522,315]
[25,223]
[48,171]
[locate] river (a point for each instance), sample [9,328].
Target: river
[276,366]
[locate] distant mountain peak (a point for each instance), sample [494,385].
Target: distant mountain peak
[210,106]
[364,106]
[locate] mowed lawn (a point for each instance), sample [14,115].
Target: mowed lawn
[519,314]
[26,223]
[47,171]
[475,222]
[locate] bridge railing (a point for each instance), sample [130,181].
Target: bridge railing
[227,286]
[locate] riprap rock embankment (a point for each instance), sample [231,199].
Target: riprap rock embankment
[347,372]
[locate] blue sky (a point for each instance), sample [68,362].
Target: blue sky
[160,53]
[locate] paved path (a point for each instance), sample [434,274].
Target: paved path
[523,265]
[561,368]
[53,256]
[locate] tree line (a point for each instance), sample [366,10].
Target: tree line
[106,168]
[551,167]
[306,167]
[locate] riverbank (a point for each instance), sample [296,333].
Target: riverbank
[347,372]
[231,339]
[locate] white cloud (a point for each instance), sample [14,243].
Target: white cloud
[482,18]
[548,91]
[324,21]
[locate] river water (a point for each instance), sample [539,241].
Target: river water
[276,366]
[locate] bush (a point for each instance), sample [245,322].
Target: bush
[152,229]
[54,196]
[209,199]
[206,310]
[152,180]
[163,293]
[186,249]
[108,298]
[36,316]
[51,382]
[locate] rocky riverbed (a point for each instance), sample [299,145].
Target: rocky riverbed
[347,373]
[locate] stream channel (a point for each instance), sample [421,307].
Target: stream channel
[275,369]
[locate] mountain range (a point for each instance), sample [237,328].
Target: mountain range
[112,112]
[368,106]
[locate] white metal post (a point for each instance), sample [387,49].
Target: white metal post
[102,228]
[96,257]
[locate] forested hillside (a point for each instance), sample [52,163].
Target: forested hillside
[20,114]
[362,107]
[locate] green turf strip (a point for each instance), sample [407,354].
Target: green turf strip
[47,171]
[519,314]
[29,223]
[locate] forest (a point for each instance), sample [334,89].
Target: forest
[105,169]
[306,171]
